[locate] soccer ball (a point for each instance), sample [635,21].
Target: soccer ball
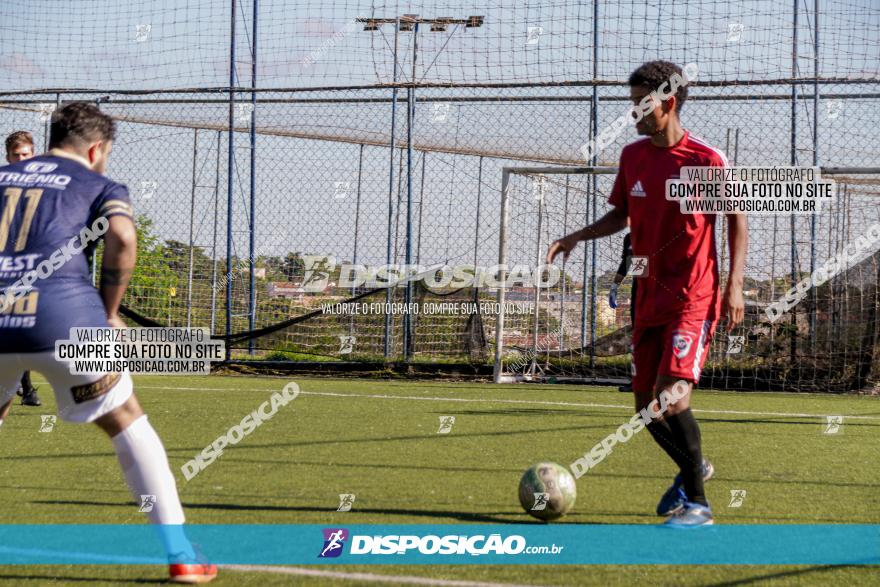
[547,491]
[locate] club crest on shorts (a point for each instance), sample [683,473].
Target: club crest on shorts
[682,343]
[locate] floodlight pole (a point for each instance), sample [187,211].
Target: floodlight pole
[230,162]
[192,222]
[794,274]
[357,221]
[411,23]
[214,237]
[252,299]
[388,251]
[592,213]
[410,118]
[814,297]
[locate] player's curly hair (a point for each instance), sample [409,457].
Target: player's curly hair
[652,74]
[19,137]
[80,122]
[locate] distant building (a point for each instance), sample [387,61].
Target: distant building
[520,294]
[285,289]
[606,315]
[295,290]
[621,315]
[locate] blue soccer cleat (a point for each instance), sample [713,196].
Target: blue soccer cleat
[674,498]
[691,515]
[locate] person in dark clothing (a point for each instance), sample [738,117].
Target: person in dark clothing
[20,146]
[622,271]
[28,391]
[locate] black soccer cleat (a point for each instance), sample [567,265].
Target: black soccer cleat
[29,397]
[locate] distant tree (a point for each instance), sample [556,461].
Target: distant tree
[293,266]
[177,255]
[151,284]
[274,271]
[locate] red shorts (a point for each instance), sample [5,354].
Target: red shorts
[677,349]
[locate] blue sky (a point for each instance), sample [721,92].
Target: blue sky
[114,45]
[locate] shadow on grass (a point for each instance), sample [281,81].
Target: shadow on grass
[494,518]
[88,580]
[785,574]
[427,436]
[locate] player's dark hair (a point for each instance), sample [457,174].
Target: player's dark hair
[80,122]
[652,74]
[19,137]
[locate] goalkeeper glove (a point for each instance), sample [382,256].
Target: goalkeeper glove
[612,297]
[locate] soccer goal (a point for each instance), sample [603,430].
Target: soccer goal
[544,326]
[566,330]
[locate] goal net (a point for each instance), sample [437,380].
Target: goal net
[566,330]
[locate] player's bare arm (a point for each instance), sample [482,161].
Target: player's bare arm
[612,222]
[120,254]
[733,304]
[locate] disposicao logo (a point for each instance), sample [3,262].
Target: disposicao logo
[334,540]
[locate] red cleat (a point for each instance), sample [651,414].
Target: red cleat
[192,574]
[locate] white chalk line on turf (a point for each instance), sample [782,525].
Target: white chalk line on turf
[524,401]
[366,577]
[81,558]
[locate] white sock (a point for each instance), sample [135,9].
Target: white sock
[146,471]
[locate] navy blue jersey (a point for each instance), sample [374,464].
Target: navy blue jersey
[46,203]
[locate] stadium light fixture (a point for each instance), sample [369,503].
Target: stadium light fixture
[408,22]
[439,25]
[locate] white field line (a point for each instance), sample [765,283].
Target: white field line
[524,401]
[82,558]
[365,577]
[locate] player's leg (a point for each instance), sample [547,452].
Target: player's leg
[647,353]
[651,361]
[10,373]
[687,344]
[144,463]
[4,410]
[108,400]
[6,405]
[29,395]
[685,434]
[691,507]
[684,487]
[632,320]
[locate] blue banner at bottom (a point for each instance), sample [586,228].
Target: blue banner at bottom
[423,544]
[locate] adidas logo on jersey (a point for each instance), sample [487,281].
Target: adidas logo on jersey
[637,190]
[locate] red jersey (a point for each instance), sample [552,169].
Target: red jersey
[680,278]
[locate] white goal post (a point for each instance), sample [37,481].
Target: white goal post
[529,211]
